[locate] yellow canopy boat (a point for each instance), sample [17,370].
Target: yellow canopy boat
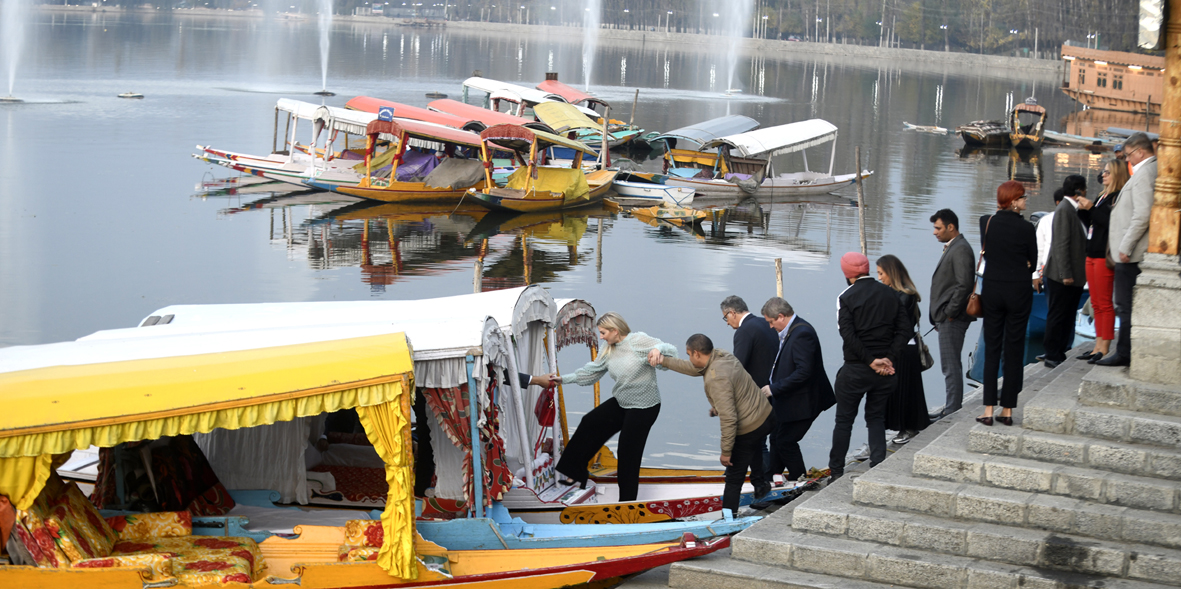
[535,187]
[112,390]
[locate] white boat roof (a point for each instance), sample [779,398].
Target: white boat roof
[349,121]
[778,140]
[507,90]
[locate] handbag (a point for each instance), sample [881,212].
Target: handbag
[975,307]
[926,361]
[544,408]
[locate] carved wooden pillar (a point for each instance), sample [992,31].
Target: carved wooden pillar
[1165,226]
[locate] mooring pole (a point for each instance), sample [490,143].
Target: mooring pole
[861,205]
[635,101]
[779,277]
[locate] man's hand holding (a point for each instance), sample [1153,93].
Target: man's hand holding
[655,358]
[713,412]
[882,366]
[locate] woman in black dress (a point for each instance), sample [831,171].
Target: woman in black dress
[906,410]
[1010,253]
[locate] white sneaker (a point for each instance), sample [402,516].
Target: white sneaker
[862,453]
[904,437]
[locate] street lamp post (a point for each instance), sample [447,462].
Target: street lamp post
[668,17]
[946,45]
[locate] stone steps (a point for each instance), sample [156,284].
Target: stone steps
[1113,389]
[780,546]
[947,459]
[970,502]
[1134,459]
[719,571]
[833,514]
[1057,409]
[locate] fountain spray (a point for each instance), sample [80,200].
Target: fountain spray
[325,28]
[734,25]
[590,38]
[12,31]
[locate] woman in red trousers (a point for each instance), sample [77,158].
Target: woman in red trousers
[1099,274]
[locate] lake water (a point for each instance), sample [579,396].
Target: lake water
[103,218]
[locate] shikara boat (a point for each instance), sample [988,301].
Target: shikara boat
[415,113]
[984,134]
[115,390]
[534,187]
[519,100]
[421,162]
[581,99]
[1027,124]
[741,165]
[292,164]
[645,189]
[675,215]
[687,141]
[932,129]
[484,116]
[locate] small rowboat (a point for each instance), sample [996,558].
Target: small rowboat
[672,214]
[131,95]
[650,188]
[932,129]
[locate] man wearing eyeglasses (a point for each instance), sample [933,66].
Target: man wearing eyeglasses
[755,343]
[1127,239]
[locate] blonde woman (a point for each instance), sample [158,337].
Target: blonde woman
[906,409]
[630,412]
[1099,277]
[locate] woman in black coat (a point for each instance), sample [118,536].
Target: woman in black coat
[1010,254]
[906,409]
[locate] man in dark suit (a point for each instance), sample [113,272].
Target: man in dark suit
[799,387]
[874,327]
[1065,272]
[951,285]
[755,343]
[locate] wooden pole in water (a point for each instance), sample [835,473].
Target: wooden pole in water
[779,277]
[476,278]
[605,155]
[635,101]
[861,205]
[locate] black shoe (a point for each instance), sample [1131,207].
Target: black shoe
[1113,360]
[761,491]
[1053,364]
[761,505]
[1088,355]
[1039,358]
[833,476]
[567,482]
[1096,358]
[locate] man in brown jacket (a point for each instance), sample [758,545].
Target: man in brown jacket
[744,411]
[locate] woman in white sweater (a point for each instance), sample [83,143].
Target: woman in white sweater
[630,412]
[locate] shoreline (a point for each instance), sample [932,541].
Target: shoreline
[881,56]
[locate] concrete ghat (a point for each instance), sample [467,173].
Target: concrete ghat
[1083,492]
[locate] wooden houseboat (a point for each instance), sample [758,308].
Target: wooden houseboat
[1114,80]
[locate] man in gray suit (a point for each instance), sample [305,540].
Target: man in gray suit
[1065,271]
[1127,240]
[952,284]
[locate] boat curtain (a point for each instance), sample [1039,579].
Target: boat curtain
[23,477]
[388,428]
[452,409]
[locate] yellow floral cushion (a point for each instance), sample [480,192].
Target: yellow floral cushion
[205,570]
[70,538]
[355,554]
[144,526]
[363,532]
[83,534]
[159,565]
[208,547]
[39,539]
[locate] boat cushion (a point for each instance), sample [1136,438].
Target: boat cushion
[158,565]
[363,532]
[208,547]
[455,173]
[569,182]
[35,534]
[142,526]
[90,532]
[202,570]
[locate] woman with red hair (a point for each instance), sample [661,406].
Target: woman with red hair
[1009,245]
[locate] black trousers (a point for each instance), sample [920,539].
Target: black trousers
[1125,280]
[785,448]
[424,460]
[596,428]
[1062,308]
[747,453]
[1006,315]
[856,380]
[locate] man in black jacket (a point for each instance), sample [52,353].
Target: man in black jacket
[799,387]
[951,285]
[874,327]
[755,342]
[1065,272]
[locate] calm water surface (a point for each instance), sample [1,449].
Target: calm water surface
[103,216]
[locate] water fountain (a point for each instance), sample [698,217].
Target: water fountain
[734,23]
[12,31]
[325,29]
[590,38]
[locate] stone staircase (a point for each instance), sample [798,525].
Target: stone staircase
[1085,491]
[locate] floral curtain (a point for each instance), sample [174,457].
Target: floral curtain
[454,412]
